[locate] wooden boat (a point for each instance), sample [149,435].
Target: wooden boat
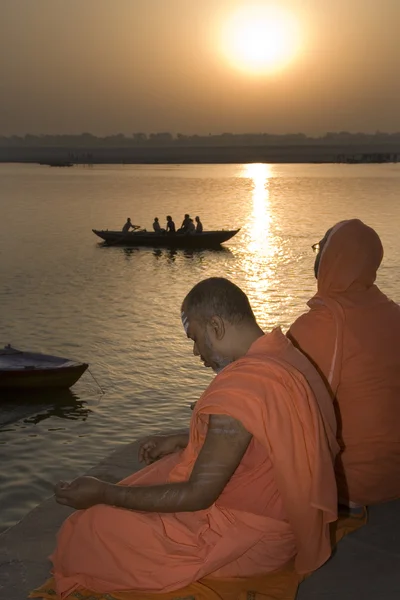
[30,370]
[207,239]
[58,163]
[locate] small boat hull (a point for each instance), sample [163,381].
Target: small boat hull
[27,370]
[207,239]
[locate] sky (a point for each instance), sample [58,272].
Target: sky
[125,66]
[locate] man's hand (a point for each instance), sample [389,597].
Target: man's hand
[223,449]
[83,492]
[155,447]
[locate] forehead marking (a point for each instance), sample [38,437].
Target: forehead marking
[185,322]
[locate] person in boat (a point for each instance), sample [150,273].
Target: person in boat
[250,487]
[185,224]
[351,333]
[128,225]
[170,228]
[156,226]
[191,228]
[199,225]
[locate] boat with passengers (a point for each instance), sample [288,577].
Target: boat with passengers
[206,239]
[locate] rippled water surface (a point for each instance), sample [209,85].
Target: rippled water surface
[119,309]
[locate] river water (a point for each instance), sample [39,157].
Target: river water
[63,293]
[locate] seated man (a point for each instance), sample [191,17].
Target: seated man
[185,224]
[128,225]
[191,227]
[156,226]
[249,488]
[170,225]
[352,334]
[199,225]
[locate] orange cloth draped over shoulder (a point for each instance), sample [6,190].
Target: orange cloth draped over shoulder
[352,335]
[277,505]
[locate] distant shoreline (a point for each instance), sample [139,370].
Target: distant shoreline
[308,153]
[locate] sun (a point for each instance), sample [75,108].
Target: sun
[260,39]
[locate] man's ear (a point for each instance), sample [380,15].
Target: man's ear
[217,328]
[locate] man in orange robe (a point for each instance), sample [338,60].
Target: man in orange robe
[249,488]
[352,335]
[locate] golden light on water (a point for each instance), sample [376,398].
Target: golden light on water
[260,224]
[262,256]
[260,39]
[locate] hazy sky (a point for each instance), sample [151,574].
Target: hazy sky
[110,66]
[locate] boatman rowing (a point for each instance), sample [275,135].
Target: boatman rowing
[128,225]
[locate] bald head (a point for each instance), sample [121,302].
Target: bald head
[217,317]
[218,297]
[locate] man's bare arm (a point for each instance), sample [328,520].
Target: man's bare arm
[225,444]
[154,447]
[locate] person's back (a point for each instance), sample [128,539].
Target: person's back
[352,334]
[156,225]
[190,227]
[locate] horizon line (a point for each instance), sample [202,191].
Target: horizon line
[177,135]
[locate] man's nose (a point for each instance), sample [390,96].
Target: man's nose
[195,350]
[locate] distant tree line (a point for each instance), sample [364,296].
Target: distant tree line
[88,140]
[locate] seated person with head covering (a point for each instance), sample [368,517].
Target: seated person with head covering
[352,334]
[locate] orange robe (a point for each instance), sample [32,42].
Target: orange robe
[277,505]
[352,334]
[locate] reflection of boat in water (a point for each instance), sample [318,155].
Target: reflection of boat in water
[207,239]
[172,254]
[198,254]
[32,370]
[34,406]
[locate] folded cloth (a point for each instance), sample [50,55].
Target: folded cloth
[280,585]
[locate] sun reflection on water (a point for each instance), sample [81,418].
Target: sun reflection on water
[259,229]
[263,246]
